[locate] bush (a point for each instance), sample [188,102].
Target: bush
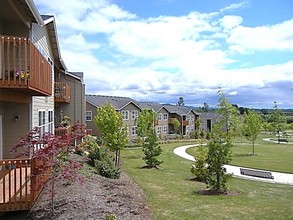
[208,135]
[201,134]
[103,161]
[199,167]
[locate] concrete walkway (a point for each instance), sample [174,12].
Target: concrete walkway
[283,178]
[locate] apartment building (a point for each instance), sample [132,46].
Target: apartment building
[126,106]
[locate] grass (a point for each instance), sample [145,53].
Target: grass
[268,155]
[171,193]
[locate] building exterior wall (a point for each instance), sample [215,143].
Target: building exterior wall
[162,127]
[12,129]
[40,103]
[131,123]
[76,109]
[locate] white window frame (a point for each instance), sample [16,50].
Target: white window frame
[165,129]
[51,121]
[42,122]
[88,116]
[165,116]
[187,129]
[134,114]
[133,130]
[159,129]
[125,114]
[160,117]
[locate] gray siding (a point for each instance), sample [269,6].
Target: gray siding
[13,130]
[41,40]
[75,110]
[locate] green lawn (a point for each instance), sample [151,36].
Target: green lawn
[268,155]
[171,195]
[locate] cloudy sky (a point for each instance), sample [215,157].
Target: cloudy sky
[159,50]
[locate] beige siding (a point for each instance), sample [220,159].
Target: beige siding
[130,122]
[163,123]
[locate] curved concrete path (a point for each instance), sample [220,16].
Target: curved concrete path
[283,178]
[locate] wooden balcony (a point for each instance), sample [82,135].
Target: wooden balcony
[61,92]
[23,68]
[185,123]
[63,131]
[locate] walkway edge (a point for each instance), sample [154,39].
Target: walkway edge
[282,178]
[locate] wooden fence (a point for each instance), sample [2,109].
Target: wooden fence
[19,188]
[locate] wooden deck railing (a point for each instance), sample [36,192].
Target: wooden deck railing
[185,123]
[61,92]
[23,68]
[19,188]
[62,131]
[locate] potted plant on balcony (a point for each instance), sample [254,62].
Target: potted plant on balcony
[65,121]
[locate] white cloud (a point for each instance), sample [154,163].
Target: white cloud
[274,37]
[161,57]
[230,22]
[234,6]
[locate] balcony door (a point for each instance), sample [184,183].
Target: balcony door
[1,138]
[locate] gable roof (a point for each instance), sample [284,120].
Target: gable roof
[208,115]
[116,101]
[152,105]
[49,21]
[179,110]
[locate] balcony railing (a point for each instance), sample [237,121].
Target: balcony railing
[61,92]
[19,189]
[185,123]
[23,68]
[63,131]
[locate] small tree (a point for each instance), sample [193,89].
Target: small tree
[199,167]
[146,130]
[219,154]
[278,120]
[197,128]
[176,125]
[110,125]
[252,126]
[180,101]
[228,113]
[52,155]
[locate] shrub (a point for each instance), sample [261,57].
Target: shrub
[199,167]
[103,161]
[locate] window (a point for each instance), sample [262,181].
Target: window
[88,115]
[134,114]
[159,129]
[191,118]
[187,129]
[50,122]
[165,116]
[125,114]
[192,128]
[160,116]
[42,122]
[133,130]
[165,129]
